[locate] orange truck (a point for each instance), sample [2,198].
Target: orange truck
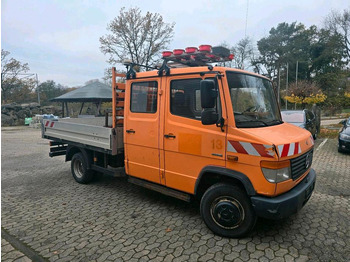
[195,131]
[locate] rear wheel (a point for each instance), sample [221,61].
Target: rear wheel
[227,211]
[79,169]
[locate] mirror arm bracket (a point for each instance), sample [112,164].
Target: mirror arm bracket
[220,123]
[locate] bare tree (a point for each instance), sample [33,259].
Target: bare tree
[107,78]
[244,53]
[339,23]
[11,69]
[136,37]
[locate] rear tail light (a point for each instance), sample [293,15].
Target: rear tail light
[231,56]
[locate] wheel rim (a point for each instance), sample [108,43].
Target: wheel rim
[78,168]
[227,212]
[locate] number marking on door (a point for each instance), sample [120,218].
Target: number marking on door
[216,144]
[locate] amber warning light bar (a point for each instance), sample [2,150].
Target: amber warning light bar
[202,55]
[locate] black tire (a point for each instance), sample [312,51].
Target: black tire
[227,211]
[79,169]
[340,150]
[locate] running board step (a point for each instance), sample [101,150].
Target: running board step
[161,189]
[114,172]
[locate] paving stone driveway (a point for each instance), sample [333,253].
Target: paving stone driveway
[45,210]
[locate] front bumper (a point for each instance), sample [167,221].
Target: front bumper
[288,203]
[344,145]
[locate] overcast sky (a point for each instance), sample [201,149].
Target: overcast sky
[60,39]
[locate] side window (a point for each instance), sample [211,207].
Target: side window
[185,98]
[143,98]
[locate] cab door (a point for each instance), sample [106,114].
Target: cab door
[189,146]
[141,130]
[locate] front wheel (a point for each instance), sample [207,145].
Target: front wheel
[79,169]
[227,211]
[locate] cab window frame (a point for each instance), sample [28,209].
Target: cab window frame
[154,102]
[193,99]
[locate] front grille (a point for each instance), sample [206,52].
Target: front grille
[301,164]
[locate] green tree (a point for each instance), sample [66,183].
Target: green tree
[319,54]
[327,52]
[136,37]
[280,47]
[327,67]
[24,92]
[11,80]
[48,90]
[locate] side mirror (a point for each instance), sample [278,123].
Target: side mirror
[343,122]
[209,116]
[209,93]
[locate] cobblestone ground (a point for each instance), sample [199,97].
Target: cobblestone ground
[9,253]
[112,220]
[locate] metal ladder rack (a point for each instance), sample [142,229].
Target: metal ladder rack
[118,96]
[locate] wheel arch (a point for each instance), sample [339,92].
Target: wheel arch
[72,150]
[210,175]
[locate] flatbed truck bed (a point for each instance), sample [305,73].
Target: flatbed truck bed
[88,132]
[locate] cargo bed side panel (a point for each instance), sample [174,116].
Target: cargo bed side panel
[97,136]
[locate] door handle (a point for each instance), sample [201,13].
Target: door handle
[130,131]
[169,136]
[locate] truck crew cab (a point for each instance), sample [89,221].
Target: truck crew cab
[193,130]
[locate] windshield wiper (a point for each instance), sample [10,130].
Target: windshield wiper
[249,122]
[274,122]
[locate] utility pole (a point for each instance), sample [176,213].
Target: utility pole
[37,88]
[279,83]
[287,86]
[296,75]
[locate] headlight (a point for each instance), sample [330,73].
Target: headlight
[276,172]
[344,137]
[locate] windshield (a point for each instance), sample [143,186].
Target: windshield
[253,101]
[293,117]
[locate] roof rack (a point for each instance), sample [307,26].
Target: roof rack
[193,56]
[204,55]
